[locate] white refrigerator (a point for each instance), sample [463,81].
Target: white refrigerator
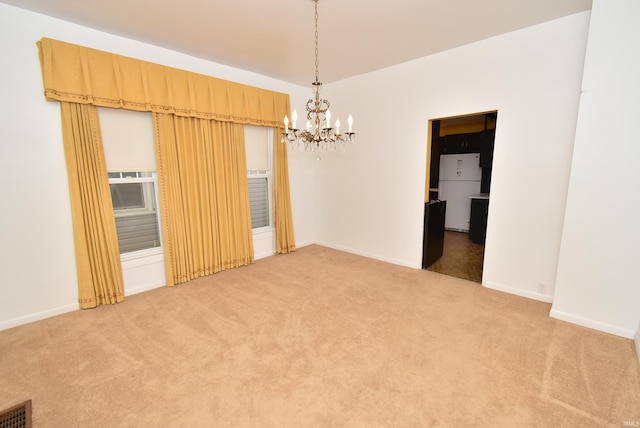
[460,177]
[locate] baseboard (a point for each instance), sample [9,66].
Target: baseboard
[637,342]
[592,324]
[519,292]
[371,256]
[4,325]
[143,288]
[263,255]
[305,244]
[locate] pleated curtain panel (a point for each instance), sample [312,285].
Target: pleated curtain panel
[285,241]
[200,151]
[94,228]
[205,204]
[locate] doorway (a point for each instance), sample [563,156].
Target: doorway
[458,183]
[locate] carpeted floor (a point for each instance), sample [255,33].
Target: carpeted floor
[319,338]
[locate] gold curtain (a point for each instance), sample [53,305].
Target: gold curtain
[77,74]
[96,242]
[88,76]
[283,219]
[204,196]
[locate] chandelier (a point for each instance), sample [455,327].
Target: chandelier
[319,134]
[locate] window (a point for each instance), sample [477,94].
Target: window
[127,138]
[258,142]
[135,206]
[259,199]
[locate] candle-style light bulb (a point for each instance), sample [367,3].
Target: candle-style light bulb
[286,124]
[328,117]
[350,121]
[337,125]
[294,118]
[308,125]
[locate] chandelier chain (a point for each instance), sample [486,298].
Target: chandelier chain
[316,21]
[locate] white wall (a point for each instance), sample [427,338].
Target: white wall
[597,283]
[36,243]
[372,196]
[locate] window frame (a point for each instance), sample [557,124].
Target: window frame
[140,178]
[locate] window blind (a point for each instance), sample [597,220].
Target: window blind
[256,139]
[127,137]
[259,201]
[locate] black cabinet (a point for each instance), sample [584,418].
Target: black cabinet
[461,143]
[434,167]
[486,148]
[433,240]
[485,183]
[478,221]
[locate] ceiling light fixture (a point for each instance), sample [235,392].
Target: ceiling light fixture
[319,135]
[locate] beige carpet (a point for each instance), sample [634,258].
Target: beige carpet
[319,338]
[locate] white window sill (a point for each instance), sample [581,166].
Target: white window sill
[262,231]
[135,255]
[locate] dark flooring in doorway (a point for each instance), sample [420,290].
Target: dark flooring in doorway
[461,258]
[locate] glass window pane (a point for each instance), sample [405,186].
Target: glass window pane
[136,216]
[127,196]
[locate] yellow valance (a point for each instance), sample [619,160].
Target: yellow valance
[87,76]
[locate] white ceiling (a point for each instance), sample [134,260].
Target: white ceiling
[276,37]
